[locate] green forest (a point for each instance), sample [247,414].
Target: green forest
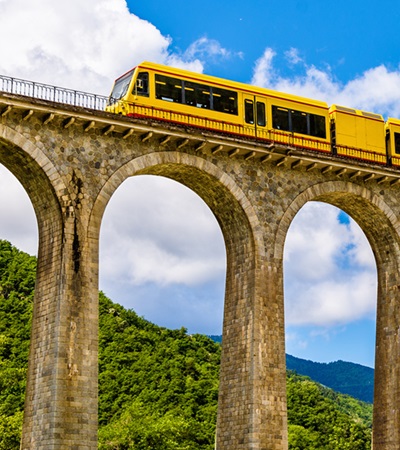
[158,388]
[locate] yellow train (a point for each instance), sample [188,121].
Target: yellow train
[179,96]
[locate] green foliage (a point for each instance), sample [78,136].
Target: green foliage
[143,428]
[158,387]
[17,282]
[10,430]
[316,421]
[344,377]
[152,378]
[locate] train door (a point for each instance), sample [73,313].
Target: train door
[255,116]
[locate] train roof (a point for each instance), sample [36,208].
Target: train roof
[228,84]
[392,120]
[355,112]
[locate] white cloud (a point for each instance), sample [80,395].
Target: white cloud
[207,49]
[165,233]
[263,69]
[377,89]
[78,44]
[17,220]
[85,45]
[293,57]
[330,273]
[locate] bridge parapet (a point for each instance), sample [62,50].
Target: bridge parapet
[87,112]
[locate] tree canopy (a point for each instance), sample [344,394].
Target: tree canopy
[158,388]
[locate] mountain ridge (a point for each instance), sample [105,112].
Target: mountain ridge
[345,377]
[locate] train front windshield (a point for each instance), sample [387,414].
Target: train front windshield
[121,86]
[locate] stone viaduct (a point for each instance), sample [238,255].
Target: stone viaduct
[71,160]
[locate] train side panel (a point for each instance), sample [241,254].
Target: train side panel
[358,134]
[299,123]
[178,96]
[393,140]
[188,101]
[182,97]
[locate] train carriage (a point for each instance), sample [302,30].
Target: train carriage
[179,96]
[209,103]
[392,129]
[357,134]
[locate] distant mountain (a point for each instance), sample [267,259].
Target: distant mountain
[216,338]
[344,377]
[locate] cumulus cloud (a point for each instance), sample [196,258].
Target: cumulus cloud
[377,89]
[330,272]
[17,220]
[166,233]
[82,45]
[85,45]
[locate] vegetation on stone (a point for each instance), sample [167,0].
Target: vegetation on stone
[158,387]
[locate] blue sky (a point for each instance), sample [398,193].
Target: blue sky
[348,36]
[344,52]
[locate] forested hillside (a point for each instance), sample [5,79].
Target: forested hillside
[345,377]
[158,387]
[341,376]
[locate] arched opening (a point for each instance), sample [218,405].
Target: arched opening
[377,220]
[228,204]
[330,284]
[330,287]
[162,254]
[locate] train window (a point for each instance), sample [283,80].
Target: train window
[121,86]
[196,95]
[317,126]
[249,111]
[142,84]
[299,122]
[261,122]
[224,101]
[168,88]
[397,143]
[280,118]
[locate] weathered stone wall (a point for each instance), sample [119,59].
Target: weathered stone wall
[71,168]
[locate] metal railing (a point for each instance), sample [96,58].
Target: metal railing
[52,93]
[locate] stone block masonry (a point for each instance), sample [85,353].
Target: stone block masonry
[70,162]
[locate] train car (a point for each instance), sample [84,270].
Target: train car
[175,95]
[358,134]
[392,129]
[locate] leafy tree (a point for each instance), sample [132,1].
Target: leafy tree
[317,422]
[158,388]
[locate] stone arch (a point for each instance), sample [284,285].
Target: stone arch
[381,227]
[365,207]
[35,172]
[243,353]
[213,185]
